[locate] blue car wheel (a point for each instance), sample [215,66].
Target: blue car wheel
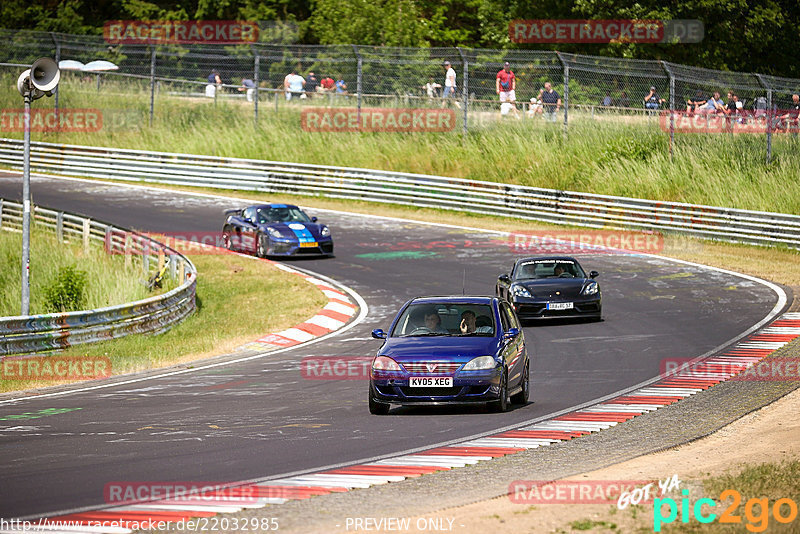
[501,405]
[375,407]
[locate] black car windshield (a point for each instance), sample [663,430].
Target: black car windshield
[445,319]
[535,269]
[284,214]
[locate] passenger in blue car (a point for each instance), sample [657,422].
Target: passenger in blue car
[469,323]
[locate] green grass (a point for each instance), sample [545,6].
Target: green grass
[614,155]
[238,300]
[109,280]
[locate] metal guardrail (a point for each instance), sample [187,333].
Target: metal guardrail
[36,333]
[488,198]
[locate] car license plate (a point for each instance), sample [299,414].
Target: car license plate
[560,305]
[430,381]
[308,245]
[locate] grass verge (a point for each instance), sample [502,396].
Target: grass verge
[238,300]
[616,155]
[108,279]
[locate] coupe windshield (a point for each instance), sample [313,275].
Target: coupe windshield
[445,319]
[534,269]
[285,214]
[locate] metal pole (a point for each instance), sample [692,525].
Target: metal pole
[358,84]
[769,116]
[58,59]
[26,208]
[255,95]
[464,87]
[152,81]
[671,109]
[566,91]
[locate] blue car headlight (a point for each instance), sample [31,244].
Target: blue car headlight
[591,289]
[479,363]
[520,291]
[273,232]
[325,231]
[384,363]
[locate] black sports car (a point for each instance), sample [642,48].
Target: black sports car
[551,286]
[276,230]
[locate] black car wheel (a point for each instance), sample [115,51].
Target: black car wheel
[501,405]
[375,407]
[261,250]
[522,396]
[226,238]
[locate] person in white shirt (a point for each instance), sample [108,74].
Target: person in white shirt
[449,85]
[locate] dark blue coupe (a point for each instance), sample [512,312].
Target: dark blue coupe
[276,230]
[451,350]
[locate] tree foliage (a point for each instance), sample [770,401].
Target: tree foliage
[743,35]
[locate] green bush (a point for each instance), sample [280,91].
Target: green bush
[66,291]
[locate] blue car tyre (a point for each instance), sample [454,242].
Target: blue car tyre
[375,407]
[501,404]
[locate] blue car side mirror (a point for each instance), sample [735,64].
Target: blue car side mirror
[511,333]
[378,334]
[313,219]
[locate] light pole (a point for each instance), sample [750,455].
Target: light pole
[41,79]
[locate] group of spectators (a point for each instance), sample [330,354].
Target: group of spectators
[295,86]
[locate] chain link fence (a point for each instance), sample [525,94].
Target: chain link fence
[362,77]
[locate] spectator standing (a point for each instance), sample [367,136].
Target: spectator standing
[607,102]
[249,87]
[311,84]
[652,100]
[505,86]
[449,84]
[551,102]
[214,83]
[293,85]
[341,87]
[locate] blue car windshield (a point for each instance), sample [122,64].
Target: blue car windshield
[287,214]
[534,269]
[445,319]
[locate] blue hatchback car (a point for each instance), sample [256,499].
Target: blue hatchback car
[451,350]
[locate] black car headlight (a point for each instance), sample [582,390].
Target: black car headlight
[520,291]
[325,231]
[592,288]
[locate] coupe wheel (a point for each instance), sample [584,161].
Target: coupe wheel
[261,250]
[522,396]
[501,405]
[226,238]
[375,407]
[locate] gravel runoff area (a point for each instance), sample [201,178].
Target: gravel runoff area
[688,420]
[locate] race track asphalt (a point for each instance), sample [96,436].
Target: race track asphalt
[261,418]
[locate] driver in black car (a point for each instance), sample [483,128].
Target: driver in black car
[560,270]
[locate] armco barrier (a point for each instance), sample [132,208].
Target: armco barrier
[36,333]
[490,198]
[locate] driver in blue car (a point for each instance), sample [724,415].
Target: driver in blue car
[434,323]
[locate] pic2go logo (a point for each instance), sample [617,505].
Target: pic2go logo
[756,521]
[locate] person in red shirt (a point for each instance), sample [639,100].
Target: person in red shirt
[505,85]
[327,83]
